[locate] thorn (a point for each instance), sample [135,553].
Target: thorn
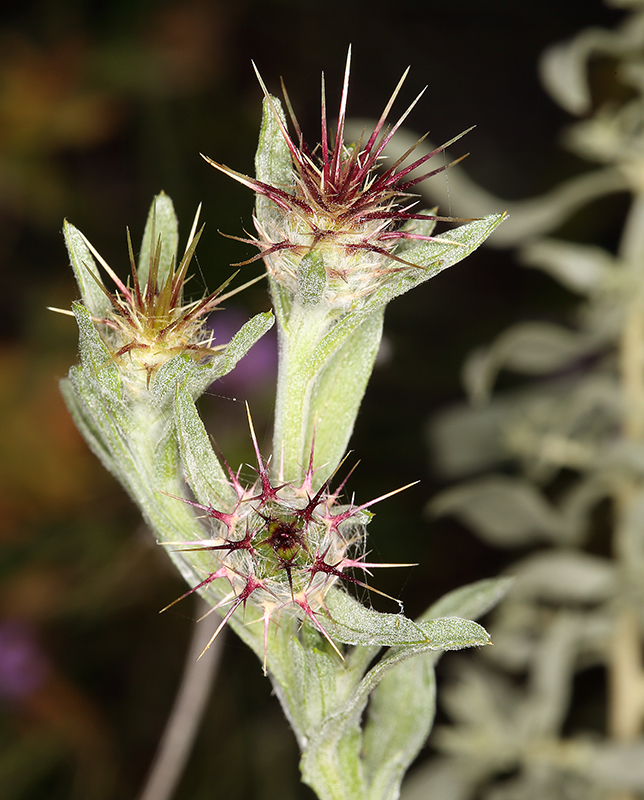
[64,311]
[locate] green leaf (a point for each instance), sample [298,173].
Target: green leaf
[181,370]
[531,348]
[242,341]
[400,716]
[94,354]
[273,159]
[273,164]
[86,424]
[453,246]
[311,279]
[504,510]
[581,268]
[565,577]
[405,729]
[564,67]
[352,623]
[83,264]
[466,439]
[431,258]
[332,765]
[205,475]
[101,419]
[161,226]
[311,684]
[196,377]
[339,390]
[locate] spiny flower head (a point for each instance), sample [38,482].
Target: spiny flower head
[147,322]
[333,210]
[281,547]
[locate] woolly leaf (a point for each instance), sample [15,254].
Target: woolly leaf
[401,714]
[205,475]
[94,354]
[531,348]
[565,577]
[580,268]
[431,258]
[352,623]
[161,226]
[83,264]
[470,601]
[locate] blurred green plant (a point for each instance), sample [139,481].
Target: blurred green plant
[571,445]
[340,241]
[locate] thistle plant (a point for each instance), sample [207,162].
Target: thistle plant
[279,556]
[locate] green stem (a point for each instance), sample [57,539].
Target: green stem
[156,483]
[324,367]
[296,382]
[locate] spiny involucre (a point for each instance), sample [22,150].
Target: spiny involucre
[333,217]
[147,322]
[281,546]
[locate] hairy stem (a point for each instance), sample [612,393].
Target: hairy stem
[296,382]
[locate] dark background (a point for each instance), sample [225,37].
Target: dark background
[102,105]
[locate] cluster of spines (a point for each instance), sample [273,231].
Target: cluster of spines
[287,532]
[339,193]
[152,321]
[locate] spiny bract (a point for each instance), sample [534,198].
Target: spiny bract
[283,546]
[336,208]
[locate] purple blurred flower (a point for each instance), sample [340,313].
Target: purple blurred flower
[24,667]
[257,370]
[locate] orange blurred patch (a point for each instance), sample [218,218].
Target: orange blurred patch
[45,465]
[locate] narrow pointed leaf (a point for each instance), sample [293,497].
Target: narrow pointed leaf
[349,367]
[94,354]
[83,264]
[205,474]
[86,425]
[242,341]
[272,158]
[352,623]
[434,257]
[161,223]
[505,511]
[400,716]
[196,377]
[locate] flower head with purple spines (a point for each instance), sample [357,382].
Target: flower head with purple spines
[151,322]
[338,204]
[281,547]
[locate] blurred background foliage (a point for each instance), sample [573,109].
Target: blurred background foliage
[102,105]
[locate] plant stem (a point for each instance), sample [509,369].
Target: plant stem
[296,382]
[187,711]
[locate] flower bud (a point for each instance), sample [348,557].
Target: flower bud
[328,221]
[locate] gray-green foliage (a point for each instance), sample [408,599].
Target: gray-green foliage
[574,439]
[145,358]
[154,442]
